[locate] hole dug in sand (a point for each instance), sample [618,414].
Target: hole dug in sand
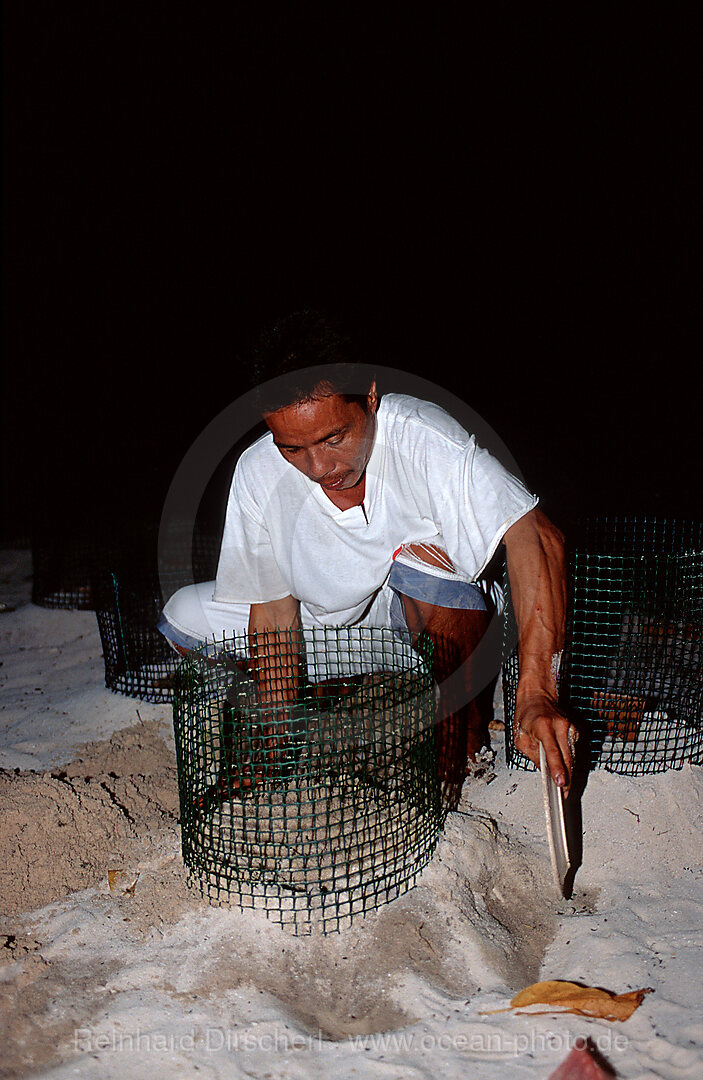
[479,919]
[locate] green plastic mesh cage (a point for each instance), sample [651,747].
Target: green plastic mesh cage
[138,660]
[129,595]
[315,811]
[631,672]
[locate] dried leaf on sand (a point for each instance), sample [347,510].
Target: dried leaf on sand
[581,1000]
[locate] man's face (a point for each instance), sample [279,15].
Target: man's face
[328,439]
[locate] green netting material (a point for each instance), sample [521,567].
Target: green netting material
[129,595]
[321,810]
[632,671]
[138,660]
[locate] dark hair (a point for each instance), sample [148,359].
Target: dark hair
[303,356]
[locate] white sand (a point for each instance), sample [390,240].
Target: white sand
[153,982]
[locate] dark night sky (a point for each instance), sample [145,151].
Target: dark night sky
[511,209]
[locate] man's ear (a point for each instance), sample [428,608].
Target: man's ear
[372,397]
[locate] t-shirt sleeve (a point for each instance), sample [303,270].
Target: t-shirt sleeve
[485,501]
[247,571]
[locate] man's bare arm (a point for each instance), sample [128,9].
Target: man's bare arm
[275,645]
[537,572]
[275,615]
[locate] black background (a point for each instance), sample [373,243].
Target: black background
[509,207]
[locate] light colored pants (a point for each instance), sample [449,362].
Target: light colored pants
[192,616]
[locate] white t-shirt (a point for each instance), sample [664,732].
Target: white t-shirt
[426,479]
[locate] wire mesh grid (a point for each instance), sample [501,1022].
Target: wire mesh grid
[130,592]
[63,567]
[318,810]
[631,673]
[138,660]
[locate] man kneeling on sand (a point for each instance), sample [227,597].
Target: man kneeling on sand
[367,511]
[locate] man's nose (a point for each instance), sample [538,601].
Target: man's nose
[318,463]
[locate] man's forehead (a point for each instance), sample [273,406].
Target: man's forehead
[313,414]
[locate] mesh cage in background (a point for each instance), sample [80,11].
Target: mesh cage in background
[130,592]
[631,674]
[325,809]
[138,660]
[65,559]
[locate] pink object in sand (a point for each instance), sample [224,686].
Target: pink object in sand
[581,1065]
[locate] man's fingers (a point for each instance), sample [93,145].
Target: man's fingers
[558,748]
[558,762]
[559,751]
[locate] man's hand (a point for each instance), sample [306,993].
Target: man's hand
[275,647]
[539,720]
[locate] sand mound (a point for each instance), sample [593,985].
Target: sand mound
[62,830]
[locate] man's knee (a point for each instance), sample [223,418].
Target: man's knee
[183,622]
[452,623]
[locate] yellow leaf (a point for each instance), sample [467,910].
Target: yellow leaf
[117,878]
[582,1000]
